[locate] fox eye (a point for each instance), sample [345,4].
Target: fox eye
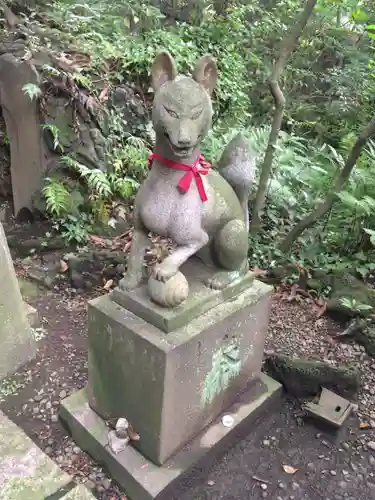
[197,114]
[172,113]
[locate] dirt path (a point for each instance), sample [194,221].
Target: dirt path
[324,470]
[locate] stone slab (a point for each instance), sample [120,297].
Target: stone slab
[27,153]
[17,343]
[140,478]
[200,300]
[173,385]
[26,473]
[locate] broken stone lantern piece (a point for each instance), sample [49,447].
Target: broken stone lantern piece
[173,364]
[17,342]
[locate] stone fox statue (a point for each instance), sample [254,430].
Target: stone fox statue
[205,212]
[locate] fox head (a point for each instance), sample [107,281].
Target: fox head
[182,110]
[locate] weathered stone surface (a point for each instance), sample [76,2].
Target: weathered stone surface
[17,344]
[134,111]
[86,140]
[5,179]
[32,315]
[210,207]
[26,473]
[330,408]
[23,129]
[138,372]
[366,337]
[79,493]
[304,378]
[200,299]
[143,480]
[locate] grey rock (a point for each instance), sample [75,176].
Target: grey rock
[304,378]
[90,484]
[117,444]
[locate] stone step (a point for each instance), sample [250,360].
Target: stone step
[27,473]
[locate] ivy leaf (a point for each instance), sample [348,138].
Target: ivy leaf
[360,16]
[371,30]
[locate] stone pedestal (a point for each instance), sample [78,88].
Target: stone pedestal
[143,480]
[173,373]
[17,343]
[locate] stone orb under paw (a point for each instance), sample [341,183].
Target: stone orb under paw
[172,293]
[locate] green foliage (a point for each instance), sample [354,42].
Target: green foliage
[352,305]
[329,85]
[226,365]
[53,129]
[303,173]
[57,197]
[32,90]
[74,229]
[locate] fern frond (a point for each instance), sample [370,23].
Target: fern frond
[125,186]
[96,180]
[57,197]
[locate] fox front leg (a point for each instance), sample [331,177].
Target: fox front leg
[170,266]
[134,273]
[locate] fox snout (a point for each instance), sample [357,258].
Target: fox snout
[183,135]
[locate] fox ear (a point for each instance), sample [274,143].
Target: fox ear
[163,70]
[206,73]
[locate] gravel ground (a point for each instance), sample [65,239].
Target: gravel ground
[253,468]
[295,330]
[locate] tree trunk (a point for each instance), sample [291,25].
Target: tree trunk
[287,46]
[325,206]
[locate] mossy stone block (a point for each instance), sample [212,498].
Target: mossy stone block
[170,386]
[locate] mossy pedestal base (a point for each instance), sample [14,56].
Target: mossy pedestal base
[172,374]
[143,480]
[170,386]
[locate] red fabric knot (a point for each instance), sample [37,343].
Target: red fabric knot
[196,170]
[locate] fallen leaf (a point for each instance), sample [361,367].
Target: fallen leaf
[127,246]
[103,96]
[108,285]
[259,272]
[97,239]
[289,470]
[293,293]
[75,59]
[364,425]
[321,311]
[132,434]
[63,266]
[330,341]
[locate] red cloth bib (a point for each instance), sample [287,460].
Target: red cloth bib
[197,169]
